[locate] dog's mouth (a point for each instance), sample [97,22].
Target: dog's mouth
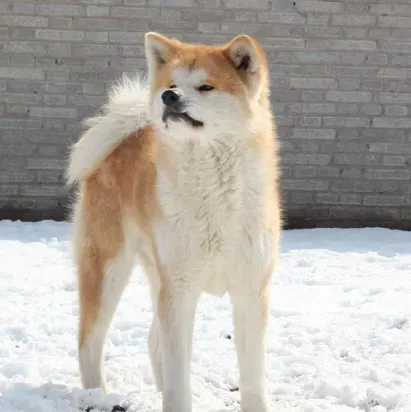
[183,116]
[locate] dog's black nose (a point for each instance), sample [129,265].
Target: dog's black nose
[170,97]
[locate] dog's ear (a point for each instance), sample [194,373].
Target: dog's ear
[249,60]
[157,49]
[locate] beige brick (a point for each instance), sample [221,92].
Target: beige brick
[340,83]
[313,83]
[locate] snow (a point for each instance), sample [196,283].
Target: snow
[339,336]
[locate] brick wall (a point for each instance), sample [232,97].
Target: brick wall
[341,79]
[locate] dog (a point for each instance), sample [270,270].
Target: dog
[181,171]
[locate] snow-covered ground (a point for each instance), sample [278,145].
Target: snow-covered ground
[339,340]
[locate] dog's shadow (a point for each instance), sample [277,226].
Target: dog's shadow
[60,398]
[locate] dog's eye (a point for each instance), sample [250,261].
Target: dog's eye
[205,88]
[173,86]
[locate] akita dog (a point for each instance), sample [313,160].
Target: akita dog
[182,173]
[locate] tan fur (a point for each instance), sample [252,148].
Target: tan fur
[105,197]
[121,208]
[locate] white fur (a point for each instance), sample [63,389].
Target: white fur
[214,236]
[210,242]
[127,111]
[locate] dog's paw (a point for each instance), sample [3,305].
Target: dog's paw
[254,403]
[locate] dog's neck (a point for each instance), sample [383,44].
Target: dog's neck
[198,157]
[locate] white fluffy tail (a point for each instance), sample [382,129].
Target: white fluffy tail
[127,111]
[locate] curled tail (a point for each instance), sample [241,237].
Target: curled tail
[127,111]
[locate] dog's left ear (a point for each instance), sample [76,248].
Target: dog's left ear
[158,48]
[248,58]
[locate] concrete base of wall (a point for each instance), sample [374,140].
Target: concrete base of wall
[298,218]
[58,213]
[293,219]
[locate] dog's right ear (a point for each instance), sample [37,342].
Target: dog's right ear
[249,60]
[158,48]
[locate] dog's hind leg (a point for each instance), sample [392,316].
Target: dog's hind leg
[104,258]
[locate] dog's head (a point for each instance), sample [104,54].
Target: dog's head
[200,91]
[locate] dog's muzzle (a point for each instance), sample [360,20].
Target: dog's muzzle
[175,109]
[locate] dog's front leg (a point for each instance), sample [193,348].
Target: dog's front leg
[176,309]
[250,322]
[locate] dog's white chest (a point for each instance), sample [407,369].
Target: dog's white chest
[212,219]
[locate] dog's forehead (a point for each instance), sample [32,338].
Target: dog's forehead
[188,77]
